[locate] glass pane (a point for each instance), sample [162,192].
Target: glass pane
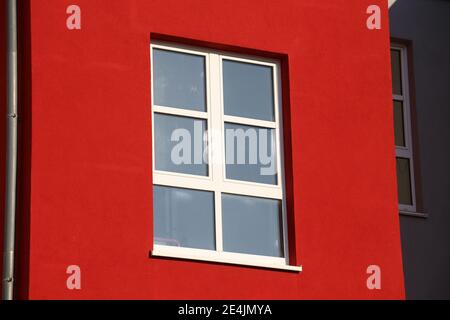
[399,121]
[404,181]
[248,90]
[250,154]
[183,218]
[179,80]
[252,225]
[180,143]
[396,72]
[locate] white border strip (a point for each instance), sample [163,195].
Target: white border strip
[223,257]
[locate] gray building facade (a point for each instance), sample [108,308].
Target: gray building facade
[423,26]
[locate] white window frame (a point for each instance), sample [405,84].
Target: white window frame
[407,150]
[216,180]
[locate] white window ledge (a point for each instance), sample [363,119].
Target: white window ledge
[223,257]
[413,214]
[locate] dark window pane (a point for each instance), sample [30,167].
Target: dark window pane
[396,72]
[179,80]
[252,225]
[404,181]
[248,90]
[179,144]
[399,121]
[250,154]
[183,217]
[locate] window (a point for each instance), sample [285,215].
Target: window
[217,174]
[402,129]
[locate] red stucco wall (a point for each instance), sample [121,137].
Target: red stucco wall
[90,200]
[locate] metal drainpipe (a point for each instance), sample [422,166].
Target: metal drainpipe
[11,151]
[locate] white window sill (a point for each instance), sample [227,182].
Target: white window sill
[414,214]
[223,257]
